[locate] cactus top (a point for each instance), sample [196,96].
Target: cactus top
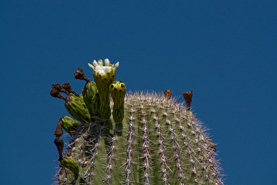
[130,139]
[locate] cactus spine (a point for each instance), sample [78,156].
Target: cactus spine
[130,139]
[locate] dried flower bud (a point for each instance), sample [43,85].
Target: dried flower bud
[68,88]
[79,74]
[59,130]
[56,94]
[188,98]
[60,88]
[59,144]
[167,93]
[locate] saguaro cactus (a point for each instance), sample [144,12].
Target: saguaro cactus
[120,138]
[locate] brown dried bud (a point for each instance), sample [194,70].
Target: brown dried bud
[211,145]
[57,86]
[79,74]
[188,98]
[59,144]
[59,130]
[167,93]
[68,88]
[56,94]
[60,88]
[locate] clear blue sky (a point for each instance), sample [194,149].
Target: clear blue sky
[226,51]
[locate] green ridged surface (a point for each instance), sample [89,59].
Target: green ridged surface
[161,143]
[131,139]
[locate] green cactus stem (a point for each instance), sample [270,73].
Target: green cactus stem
[133,138]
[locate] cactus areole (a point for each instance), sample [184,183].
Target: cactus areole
[118,138]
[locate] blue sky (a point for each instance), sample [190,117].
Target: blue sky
[224,50]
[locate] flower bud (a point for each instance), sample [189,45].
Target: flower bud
[66,86]
[188,98]
[69,125]
[76,107]
[71,164]
[59,131]
[56,94]
[59,144]
[167,94]
[118,91]
[89,92]
[79,74]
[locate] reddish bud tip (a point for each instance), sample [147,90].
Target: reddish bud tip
[167,93]
[188,98]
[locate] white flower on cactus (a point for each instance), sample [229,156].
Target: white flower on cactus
[107,62]
[95,63]
[103,70]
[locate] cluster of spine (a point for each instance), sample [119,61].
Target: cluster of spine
[130,139]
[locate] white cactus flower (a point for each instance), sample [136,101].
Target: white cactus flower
[102,70]
[91,66]
[107,62]
[95,63]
